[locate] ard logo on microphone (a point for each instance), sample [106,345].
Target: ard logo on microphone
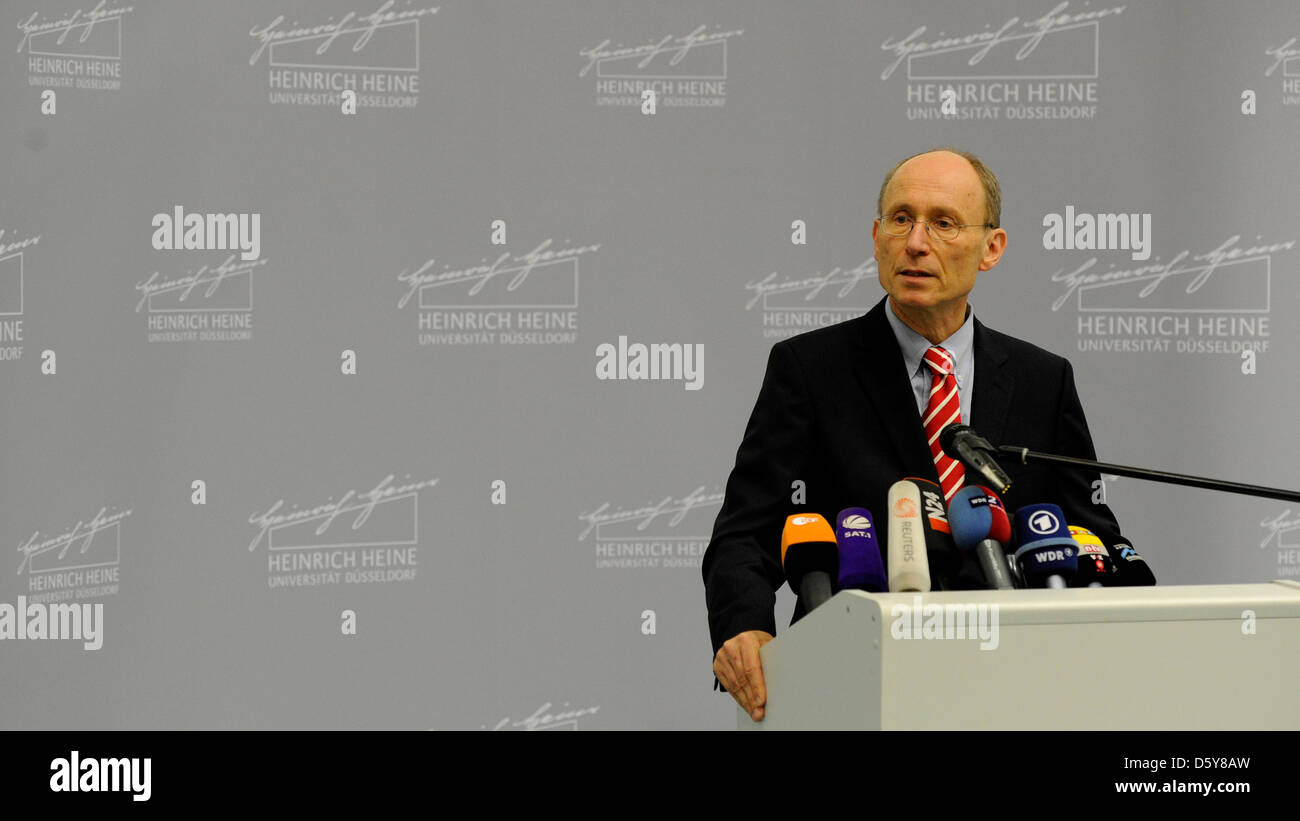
[1044,523]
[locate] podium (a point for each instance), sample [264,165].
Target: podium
[1203,657]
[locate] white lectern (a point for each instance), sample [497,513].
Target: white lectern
[1203,657]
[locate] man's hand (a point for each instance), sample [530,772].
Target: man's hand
[740,670]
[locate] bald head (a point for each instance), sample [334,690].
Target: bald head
[958,163]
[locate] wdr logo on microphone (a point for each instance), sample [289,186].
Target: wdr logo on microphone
[945,622]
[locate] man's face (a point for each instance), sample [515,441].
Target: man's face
[923,273]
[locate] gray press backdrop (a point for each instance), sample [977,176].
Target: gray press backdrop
[358,459]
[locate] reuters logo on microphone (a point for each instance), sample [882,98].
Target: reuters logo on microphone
[905,508]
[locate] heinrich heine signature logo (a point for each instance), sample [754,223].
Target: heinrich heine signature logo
[372,536]
[12,259]
[1032,68]
[1216,302]
[791,306]
[82,49]
[1283,532]
[1005,51]
[211,303]
[373,56]
[1118,289]
[687,71]
[543,719]
[671,533]
[514,299]
[1287,58]
[82,561]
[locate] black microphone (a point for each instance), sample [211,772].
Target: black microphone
[962,443]
[809,557]
[1131,570]
[940,552]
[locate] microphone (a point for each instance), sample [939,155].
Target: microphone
[1131,570]
[810,557]
[909,567]
[1095,567]
[859,552]
[1047,553]
[976,527]
[940,553]
[962,443]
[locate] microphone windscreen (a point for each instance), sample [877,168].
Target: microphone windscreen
[860,564]
[969,515]
[1094,560]
[1131,570]
[942,555]
[807,545]
[1045,546]
[909,566]
[1000,530]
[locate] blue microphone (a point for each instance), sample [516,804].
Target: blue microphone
[1047,553]
[979,525]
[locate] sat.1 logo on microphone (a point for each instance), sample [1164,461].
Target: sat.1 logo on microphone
[1044,523]
[856,522]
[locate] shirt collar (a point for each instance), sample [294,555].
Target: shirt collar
[914,346]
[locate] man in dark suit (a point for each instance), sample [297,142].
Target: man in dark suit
[841,408]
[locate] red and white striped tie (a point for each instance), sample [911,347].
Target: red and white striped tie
[943,410]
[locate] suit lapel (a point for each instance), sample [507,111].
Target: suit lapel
[994,386]
[879,370]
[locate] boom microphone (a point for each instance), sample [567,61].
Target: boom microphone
[909,567]
[860,565]
[810,557]
[962,443]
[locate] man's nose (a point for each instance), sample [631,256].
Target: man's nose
[918,240]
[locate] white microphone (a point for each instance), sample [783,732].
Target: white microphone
[909,566]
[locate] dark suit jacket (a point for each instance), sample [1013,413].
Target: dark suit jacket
[837,412]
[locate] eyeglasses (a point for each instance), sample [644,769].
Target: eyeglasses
[899,224]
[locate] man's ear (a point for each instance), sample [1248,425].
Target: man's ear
[994,247]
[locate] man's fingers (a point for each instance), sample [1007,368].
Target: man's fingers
[735,679]
[740,669]
[754,674]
